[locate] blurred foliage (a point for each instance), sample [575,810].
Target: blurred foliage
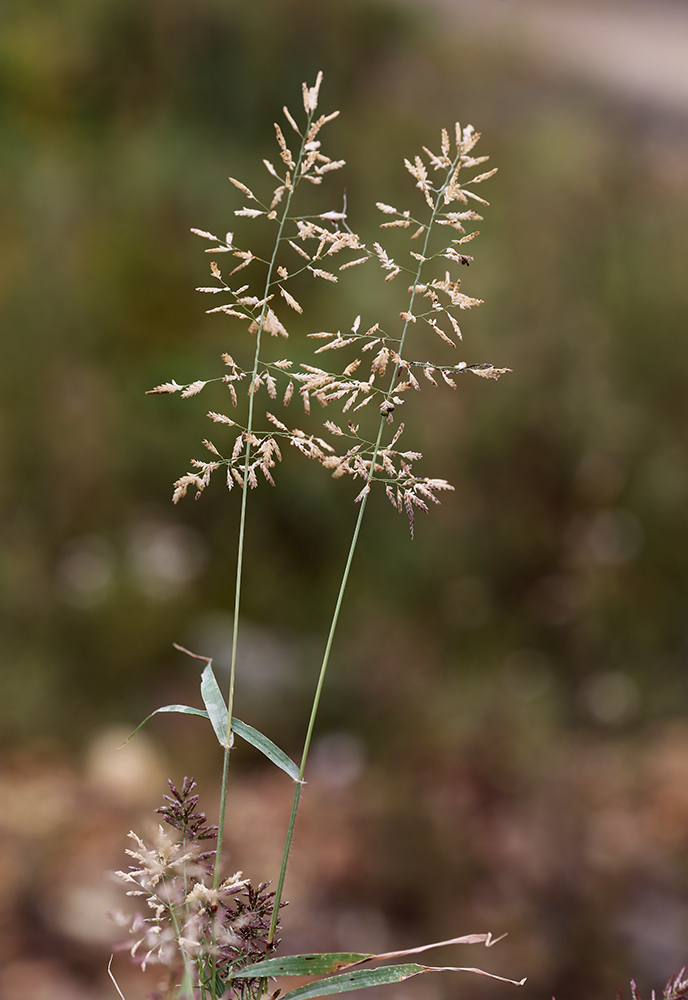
[547,594]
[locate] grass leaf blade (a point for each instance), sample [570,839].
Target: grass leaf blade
[181,709]
[359,980]
[267,747]
[300,965]
[215,704]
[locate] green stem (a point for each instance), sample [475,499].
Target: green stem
[242,530]
[340,598]
[242,521]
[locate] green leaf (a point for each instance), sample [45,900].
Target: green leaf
[248,733]
[215,704]
[182,709]
[266,746]
[363,978]
[300,965]
[358,980]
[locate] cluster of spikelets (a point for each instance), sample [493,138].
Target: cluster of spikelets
[312,244]
[675,989]
[187,919]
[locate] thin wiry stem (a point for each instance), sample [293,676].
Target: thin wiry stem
[342,588]
[242,527]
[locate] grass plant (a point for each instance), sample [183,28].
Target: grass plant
[217,935]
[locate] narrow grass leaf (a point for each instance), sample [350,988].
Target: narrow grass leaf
[300,965]
[326,962]
[248,733]
[182,709]
[359,980]
[215,704]
[363,978]
[267,747]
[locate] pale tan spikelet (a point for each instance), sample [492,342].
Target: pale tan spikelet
[439,331]
[212,290]
[242,187]
[364,493]
[354,263]
[227,310]
[182,485]
[322,274]
[306,400]
[290,300]
[273,325]
[416,500]
[488,371]
[445,142]
[350,401]
[276,199]
[211,447]
[282,365]
[336,343]
[325,168]
[466,302]
[483,177]
[285,152]
[220,418]
[469,138]
[437,162]
[278,423]
[408,317]
[412,169]
[248,257]
[467,238]
[252,478]
[310,94]
[333,428]
[192,389]
[238,447]
[387,209]
[233,395]
[271,386]
[271,170]
[215,270]
[390,496]
[206,236]
[238,478]
[288,393]
[351,368]
[266,472]
[362,404]
[409,510]
[315,128]
[379,363]
[399,431]
[450,381]
[427,371]
[282,272]
[249,213]
[455,326]
[230,481]
[474,196]
[291,121]
[299,250]
[167,387]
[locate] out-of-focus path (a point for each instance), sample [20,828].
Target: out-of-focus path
[637,49]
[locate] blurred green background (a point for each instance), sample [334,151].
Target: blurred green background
[505,720]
